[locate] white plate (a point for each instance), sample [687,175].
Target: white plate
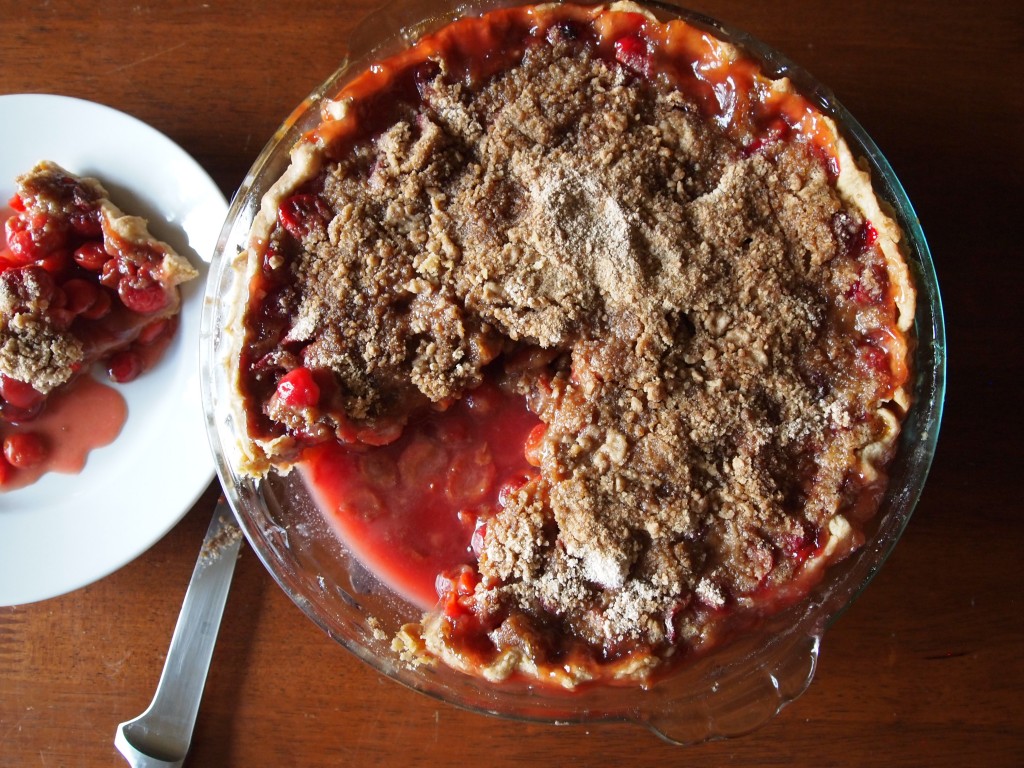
[66,531]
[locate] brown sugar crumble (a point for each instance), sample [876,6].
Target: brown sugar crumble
[31,348]
[695,318]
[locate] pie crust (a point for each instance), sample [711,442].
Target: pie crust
[672,257]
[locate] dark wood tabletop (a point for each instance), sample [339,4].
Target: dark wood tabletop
[926,668]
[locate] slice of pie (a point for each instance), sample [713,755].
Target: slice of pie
[671,259]
[80,282]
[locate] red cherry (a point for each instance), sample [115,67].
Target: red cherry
[858,294]
[424,75]
[299,214]
[383,433]
[140,293]
[110,273]
[870,234]
[455,590]
[33,282]
[773,131]
[476,541]
[852,238]
[19,394]
[81,295]
[509,488]
[298,389]
[124,366]
[24,449]
[19,242]
[8,260]
[86,223]
[91,256]
[466,582]
[15,415]
[632,52]
[5,471]
[873,358]
[30,238]
[800,546]
[483,400]
[533,444]
[872,289]
[100,307]
[17,203]
[56,263]
[470,477]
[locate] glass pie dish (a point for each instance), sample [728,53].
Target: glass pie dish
[728,691]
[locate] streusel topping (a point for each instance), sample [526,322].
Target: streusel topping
[698,360]
[31,348]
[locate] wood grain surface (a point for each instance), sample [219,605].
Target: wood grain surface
[926,668]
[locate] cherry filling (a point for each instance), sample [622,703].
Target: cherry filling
[412,500]
[88,274]
[415,510]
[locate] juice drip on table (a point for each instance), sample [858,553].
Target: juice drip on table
[416,508]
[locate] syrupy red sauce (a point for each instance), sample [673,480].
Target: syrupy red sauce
[409,511]
[87,415]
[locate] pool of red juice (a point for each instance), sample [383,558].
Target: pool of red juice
[87,415]
[408,511]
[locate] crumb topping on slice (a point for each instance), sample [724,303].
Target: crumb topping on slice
[32,350]
[51,324]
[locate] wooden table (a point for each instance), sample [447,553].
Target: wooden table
[927,668]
